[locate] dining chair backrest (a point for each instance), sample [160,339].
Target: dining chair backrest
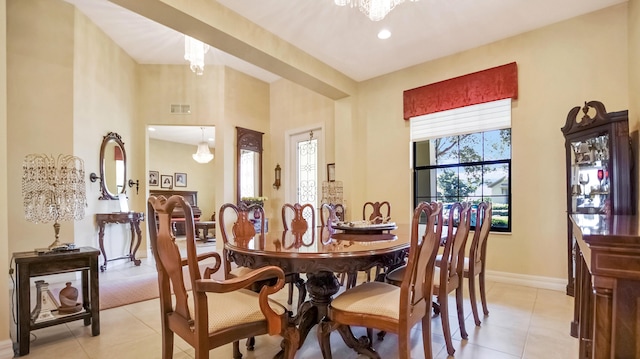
[478,248]
[235,224]
[378,213]
[328,214]
[458,226]
[167,255]
[416,288]
[296,217]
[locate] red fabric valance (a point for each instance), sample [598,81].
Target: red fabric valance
[117,153]
[492,84]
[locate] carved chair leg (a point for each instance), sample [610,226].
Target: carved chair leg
[473,300]
[460,309]
[236,350]
[446,329]
[381,335]
[302,292]
[290,342]
[251,343]
[290,298]
[483,293]
[426,337]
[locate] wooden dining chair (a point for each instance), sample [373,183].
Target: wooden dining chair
[330,212]
[295,217]
[375,211]
[475,262]
[449,270]
[198,316]
[385,306]
[235,223]
[449,274]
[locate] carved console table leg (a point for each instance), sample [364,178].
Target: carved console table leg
[101,224]
[132,252]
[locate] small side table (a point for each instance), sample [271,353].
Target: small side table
[203,228]
[134,219]
[32,264]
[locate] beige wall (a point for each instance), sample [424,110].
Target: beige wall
[84,86]
[6,347]
[559,67]
[169,157]
[293,108]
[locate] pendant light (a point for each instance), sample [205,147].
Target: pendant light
[203,155]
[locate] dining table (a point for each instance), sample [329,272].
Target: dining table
[320,253]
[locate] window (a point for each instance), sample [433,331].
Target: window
[470,167]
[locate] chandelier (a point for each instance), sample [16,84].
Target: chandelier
[375,10]
[203,155]
[194,51]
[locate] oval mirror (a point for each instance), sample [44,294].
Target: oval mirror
[113,166]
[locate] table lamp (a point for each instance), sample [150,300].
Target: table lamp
[53,190]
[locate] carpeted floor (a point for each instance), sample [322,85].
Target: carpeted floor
[138,288]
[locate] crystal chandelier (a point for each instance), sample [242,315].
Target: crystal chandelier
[203,155]
[194,51]
[375,10]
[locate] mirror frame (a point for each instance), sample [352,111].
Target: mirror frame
[106,194]
[252,141]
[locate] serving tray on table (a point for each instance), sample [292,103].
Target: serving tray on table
[363,231]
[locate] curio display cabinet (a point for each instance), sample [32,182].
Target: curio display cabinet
[599,166]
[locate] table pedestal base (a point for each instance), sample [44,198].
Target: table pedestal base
[321,287]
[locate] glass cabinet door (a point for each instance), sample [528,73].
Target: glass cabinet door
[590,181]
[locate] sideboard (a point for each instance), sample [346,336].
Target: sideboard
[607,295]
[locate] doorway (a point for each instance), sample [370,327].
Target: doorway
[306,169]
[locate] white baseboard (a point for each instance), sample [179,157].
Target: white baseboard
[551,283]
[6,349]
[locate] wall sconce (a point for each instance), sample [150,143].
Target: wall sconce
[278,171]
[94,177]
[136,183]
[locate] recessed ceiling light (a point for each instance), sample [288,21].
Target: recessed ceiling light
[384,34]
[151,129]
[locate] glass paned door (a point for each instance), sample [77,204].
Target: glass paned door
[306,172]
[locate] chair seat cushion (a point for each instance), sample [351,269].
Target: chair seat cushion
[396,275]
[466,262]
[372,298]
[227,310]
[239,271]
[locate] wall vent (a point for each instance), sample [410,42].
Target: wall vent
[180,109]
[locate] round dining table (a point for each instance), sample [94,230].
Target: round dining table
[320,253]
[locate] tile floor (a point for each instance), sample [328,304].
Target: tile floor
[523,322]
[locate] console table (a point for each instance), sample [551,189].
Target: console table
[31,264]
[134,219]
[607,295]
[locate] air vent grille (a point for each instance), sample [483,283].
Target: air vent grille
[180,109]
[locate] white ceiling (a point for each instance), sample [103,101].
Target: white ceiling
[344,38]
[189,135]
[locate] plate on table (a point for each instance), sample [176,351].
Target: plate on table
[364,227]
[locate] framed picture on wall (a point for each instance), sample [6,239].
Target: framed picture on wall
[181,179]
[331,172]
[153,178]
[166,181]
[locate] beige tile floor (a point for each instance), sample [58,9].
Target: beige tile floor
[523,322]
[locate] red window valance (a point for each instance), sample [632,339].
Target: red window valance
[117,153]
[492,84]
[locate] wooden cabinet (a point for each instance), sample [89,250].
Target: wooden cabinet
[31,264]
[607,295]
[599,162]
